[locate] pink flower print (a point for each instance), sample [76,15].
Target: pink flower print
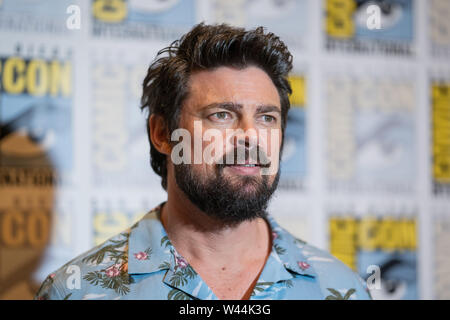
[114,270]
[303,265]
[180,261]
[141,255]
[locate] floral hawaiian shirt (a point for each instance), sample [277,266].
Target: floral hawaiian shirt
[141,263]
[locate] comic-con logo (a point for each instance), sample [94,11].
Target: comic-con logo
[370,134]
[388,242]
[293,159]
[117,10]
[440,100]
[142,18]
[369,26]
[36,113]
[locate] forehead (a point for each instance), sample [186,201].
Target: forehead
[248,86]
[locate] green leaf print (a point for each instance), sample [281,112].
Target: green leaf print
[178,279]
[93,277]
[189,272]
[164,265]
[336,295]
[261,286]
[175,294]
[279,249]
[298,241]
[116,276]
[111,250]
[349,293]
[117,283]
[165,241]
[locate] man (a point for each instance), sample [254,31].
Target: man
[223,90]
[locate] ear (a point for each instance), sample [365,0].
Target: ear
[159,134]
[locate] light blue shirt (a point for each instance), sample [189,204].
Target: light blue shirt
[141,263]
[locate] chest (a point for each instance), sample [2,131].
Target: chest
[229,285]
[232,290]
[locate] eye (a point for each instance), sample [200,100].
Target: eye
[221,115]
[267,118]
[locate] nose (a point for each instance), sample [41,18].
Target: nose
[246,136]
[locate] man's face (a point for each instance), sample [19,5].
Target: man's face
[234,120]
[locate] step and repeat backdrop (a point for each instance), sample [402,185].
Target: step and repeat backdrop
[366,164]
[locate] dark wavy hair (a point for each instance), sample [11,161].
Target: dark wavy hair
[207,47]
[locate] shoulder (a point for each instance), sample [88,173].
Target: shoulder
[102,272]
[337,281]
[90,274]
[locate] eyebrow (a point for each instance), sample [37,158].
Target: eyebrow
[235,107]
[268,108]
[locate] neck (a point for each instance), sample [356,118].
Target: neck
[201,238]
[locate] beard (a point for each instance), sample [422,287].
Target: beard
[230,200]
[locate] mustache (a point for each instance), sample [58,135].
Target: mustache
[253,155]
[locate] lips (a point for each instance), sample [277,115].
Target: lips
[246,169]
[254,159]
[247,164]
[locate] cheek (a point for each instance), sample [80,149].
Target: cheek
[273,142]
[273,153]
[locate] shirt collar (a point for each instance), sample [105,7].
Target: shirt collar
[288,251]
[150,250]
